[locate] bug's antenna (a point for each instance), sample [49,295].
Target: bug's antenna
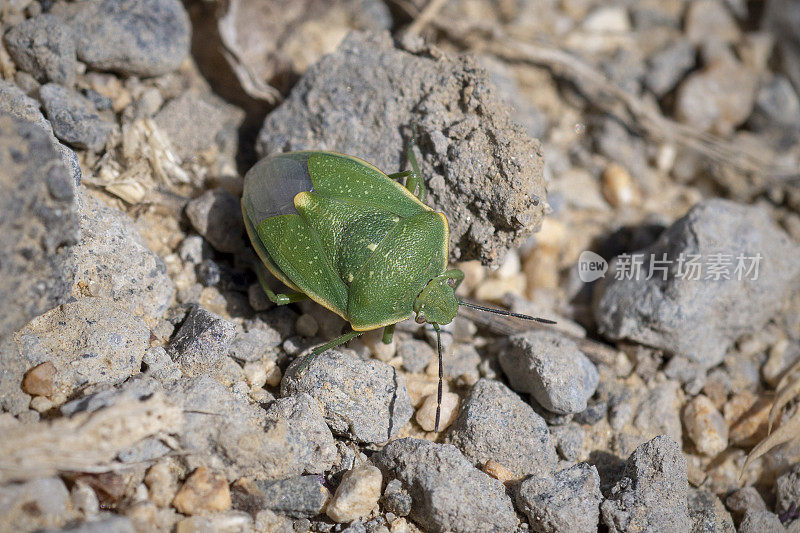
[441,373]
[506,313]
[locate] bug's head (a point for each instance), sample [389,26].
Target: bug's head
[437,303]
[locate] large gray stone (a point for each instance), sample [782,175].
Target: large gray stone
[74,118]
[481,170]
[494,423]
[44,47]
[447,492]
[38,224]
[701,318]
[652,495]
[551,368]
[366,401]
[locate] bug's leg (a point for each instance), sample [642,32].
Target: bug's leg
[400,175]
[325,347]
[388,333]
[281,298]
[414,181]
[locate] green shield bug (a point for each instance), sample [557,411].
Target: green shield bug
[336,229]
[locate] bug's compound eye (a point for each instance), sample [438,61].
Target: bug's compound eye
[451,282]
[420,318]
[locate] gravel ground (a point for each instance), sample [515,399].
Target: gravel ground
[627,169]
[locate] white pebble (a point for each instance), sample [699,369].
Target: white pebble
[426,414]
[274,374]
[41,404]
[256,374]
[357,494]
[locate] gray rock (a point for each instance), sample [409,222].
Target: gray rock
[551,368]
[787,490]
[196,123]
[652,495]
[707,513]
[300,496]
[481,170]
[38,224]
[761,522]
[16,103]
[138,388]
[366,401]
[112,261]
[160,365]
[12,371]
[217,216]
[74,118]
[709,19]
[701,318]
[717,98]
[34,504]
[667,67]
[568,440]
[244,440]
[44,47]
[396,498]
[494,423]
[90,341]
[202,342]
[565,502]
[133,37]
[254,341]
[777,101]
[462,362]
[447,492]
[743,500]
[416,354]
[309,443]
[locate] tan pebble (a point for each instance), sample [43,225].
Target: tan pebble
[419,386]
[256,373]
[510,267]
[777,362]
[203,491]
[474,274]
[426,414]
[356,495]
[39,380]
[41,404]
[541,269]
[705,426]
[85,499]
[267,521]
[493,290]
[619,188]
[274,374]
[259,395]
[498,471]
[747,417]
[307,325]
[162,483]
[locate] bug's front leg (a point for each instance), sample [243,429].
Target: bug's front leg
[279,298]
[388,333]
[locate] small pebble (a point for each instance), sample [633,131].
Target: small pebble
[203,491]
[747,417]
[743,500]
[498,471]
[416,354]
[619,188]
[85,499]
[306,325]
[274,375]
[256,373]
[39,380]
[426,414]
[161,483]
[373,340]
[41,404]
[705,426]
[356,495]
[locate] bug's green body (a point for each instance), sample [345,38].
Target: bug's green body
[339,231]
[358,242]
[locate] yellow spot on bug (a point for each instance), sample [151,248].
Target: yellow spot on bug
[349,278]
[371,247]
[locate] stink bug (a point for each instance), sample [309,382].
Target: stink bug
[336,229]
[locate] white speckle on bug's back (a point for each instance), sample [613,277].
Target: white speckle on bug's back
[350,278]
[371,247]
